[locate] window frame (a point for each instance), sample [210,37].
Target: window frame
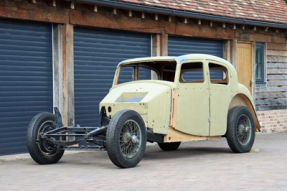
[190,82]
[263,70]
[135,73]
[222,65]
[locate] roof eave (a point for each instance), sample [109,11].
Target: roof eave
[187,14]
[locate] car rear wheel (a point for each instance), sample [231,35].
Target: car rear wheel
[240,133]
[40,150]
[126,139]
[169,146]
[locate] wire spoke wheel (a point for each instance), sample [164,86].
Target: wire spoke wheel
[244,129]
[126,138]
[240,133]
[130,138]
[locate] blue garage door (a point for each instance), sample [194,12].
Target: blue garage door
[25,79]
[96,55]
[179,45]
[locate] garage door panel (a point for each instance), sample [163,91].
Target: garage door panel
[15,149]
[97,52]
[26,82]
[6,144]
[179,45]
[29,115]
[104,49]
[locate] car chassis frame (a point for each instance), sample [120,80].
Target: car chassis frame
[66,138]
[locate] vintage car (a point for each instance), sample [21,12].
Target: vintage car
[190,98]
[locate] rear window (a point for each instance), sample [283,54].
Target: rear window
[218,74]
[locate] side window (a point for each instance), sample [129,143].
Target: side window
[259,63]
[218,74]
[192,73]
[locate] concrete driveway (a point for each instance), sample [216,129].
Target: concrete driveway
[205,165]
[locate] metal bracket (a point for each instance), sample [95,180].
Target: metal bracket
[58,115]
[104,119]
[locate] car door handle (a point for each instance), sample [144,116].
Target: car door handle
[250,83]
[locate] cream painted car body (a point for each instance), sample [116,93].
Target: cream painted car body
[181,111]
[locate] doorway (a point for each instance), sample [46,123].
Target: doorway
[244,64]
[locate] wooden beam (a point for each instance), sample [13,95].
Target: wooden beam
[227,50]
[234,53]
[68,75]
[164,44]
[156,46]
[33,12]
[253,36]
[58,67]
[156,38]
[121,23]
[177,136]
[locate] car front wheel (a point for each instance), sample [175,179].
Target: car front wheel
[240,133]
[126,139]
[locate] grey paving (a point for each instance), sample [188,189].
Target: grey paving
[206,165]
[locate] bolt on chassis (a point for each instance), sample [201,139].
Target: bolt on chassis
[191,97]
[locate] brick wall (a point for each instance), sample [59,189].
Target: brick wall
[273,120]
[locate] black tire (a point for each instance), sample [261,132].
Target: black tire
[38,149]
[234,125]
[169,146]
[113,139]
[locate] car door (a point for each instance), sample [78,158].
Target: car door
[220,97]
[193,99]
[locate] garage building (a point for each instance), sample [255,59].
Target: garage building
[61,53]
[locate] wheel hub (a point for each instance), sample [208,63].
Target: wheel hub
[135,139]
[44,146]
[244,130]
[241,128]
[127,137]
[130,138]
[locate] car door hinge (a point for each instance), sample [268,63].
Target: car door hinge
[209,119]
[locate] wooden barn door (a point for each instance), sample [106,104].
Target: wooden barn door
[244,64]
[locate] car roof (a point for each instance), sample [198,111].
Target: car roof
[178,58]
[147,59]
